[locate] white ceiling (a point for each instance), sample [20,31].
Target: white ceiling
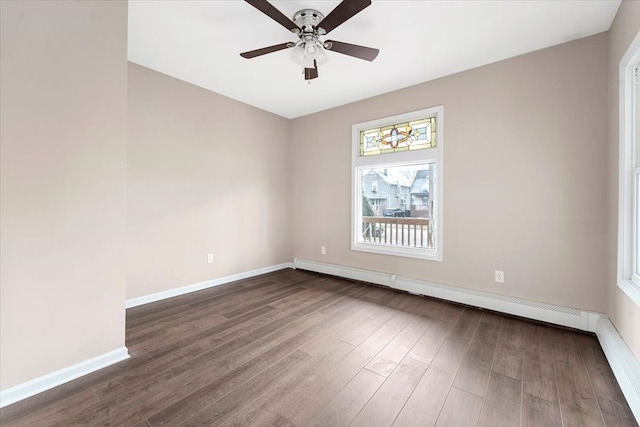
[200,41]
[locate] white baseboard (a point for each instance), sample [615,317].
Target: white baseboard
[558,315]
[54,379]
[624,365]
[134,302]
[46,382]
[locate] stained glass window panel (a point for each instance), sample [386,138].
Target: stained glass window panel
[413,135]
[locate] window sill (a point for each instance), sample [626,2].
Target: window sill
[631,289]
[407,252]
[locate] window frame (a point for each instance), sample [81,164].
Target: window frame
[628,204]
[404,158]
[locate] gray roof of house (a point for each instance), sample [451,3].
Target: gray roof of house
[420,183]
[388,179]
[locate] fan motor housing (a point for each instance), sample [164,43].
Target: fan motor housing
[307,19]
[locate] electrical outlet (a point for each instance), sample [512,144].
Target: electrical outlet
[323,250]
[499,276]
[210,258]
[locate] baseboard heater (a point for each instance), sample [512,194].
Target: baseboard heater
[622,361]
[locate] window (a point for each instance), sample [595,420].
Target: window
[629,192]
[404,155]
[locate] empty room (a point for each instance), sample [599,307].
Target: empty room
[320,213]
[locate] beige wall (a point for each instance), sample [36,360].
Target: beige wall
[624,313]
[525,149]
[63,133]
[206,174]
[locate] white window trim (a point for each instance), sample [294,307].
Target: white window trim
[626,227]
[399,159]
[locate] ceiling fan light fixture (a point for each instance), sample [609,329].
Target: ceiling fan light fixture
[298,54]
[321,56]
[306,52]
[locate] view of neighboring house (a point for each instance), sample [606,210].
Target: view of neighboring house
[420,190]
[385,191]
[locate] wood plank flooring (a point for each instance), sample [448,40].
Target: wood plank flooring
[293,348]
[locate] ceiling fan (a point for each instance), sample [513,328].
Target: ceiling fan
[309,25]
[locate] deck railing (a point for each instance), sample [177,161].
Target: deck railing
[413,232]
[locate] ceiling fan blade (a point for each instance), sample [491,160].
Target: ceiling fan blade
[253,53]
[268,9]
[342,13]
[311,73]
[362,52]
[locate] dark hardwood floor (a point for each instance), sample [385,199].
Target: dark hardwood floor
[294,348]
